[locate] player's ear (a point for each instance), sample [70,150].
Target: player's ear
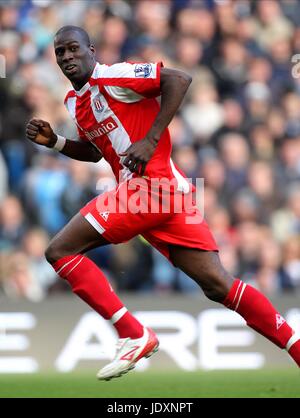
[92,48]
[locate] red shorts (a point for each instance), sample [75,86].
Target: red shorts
[122,213]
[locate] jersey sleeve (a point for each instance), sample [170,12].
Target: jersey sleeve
[131,82]
[69,103]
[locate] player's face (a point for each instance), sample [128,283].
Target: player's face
[74,57]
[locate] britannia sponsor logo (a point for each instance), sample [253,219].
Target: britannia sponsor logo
[103,128]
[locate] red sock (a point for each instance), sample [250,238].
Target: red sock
[90,284]
[260,315]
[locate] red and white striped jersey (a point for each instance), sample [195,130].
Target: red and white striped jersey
[117,107]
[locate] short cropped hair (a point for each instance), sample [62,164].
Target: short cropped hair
[70,28]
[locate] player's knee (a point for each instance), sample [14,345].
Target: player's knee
[216,288]
[53,253]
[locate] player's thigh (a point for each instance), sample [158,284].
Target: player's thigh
[78,236]
[195,262]
[192,248]
[203,266]
[178,234]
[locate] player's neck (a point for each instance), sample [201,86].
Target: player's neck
[78,85]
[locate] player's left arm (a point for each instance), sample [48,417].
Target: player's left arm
[173,85]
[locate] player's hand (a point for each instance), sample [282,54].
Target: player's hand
[138,155]
[41,133]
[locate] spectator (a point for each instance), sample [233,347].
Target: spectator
[235,154]
[18,280]
[43,187]
[286,221]
[203,115]
[78,189]
[261,181]
[272,25]
[35,242]
[13,223]
[291,264]
[268,278]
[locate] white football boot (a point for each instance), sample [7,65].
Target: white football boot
[128,352]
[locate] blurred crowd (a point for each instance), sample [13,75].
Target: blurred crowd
[239,128]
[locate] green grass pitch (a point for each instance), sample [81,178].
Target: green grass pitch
[283,383]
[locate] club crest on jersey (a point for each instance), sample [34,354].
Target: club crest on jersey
[143,70]
[97,103]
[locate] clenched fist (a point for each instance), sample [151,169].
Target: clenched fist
[41,133]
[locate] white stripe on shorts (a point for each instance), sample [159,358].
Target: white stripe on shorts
[93,221]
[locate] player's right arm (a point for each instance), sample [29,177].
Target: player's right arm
[41,133]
